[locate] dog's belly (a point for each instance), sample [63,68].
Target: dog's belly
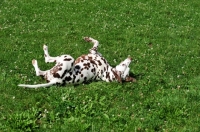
[90,67]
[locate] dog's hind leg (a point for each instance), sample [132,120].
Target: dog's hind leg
[37,69]
[94,49]
[47,57]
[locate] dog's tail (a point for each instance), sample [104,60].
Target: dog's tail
[37,85]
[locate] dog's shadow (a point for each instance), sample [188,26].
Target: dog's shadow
[136,76]
[131,74]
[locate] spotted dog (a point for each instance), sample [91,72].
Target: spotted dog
[85,68]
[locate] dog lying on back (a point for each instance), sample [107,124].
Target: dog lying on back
[85,68]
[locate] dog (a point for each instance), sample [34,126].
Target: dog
[85,68]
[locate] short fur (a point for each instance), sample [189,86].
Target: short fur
[85,68]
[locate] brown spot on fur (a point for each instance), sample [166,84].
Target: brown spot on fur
[80,59]
[107,74]
[89,58]
[67,59]
[103,60]
[54,70]
[107,67]
[117,77]
[85,78]
[56,75]
[99,62]
[86,65]
[74,78]
[93,62]
[77,67]
[92,70]
[76,73]
[68,78]
[77,60]
[64,73]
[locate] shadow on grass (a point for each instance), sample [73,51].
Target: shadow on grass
[137,76]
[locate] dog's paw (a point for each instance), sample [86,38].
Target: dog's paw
[87,39]
[34,62]
[45,47]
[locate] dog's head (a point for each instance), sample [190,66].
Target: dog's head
[123,68]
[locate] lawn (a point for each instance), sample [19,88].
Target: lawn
[162,37]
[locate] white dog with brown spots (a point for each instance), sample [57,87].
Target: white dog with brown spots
[85,68]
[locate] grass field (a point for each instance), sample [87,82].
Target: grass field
[161,36]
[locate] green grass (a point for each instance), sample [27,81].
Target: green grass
[161,36]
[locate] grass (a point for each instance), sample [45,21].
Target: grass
[161,36]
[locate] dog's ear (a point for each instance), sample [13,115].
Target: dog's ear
[117,76]
[130,79]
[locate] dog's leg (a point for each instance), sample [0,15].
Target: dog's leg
[49,75]
[37,69]
[47,57]
[94,49]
